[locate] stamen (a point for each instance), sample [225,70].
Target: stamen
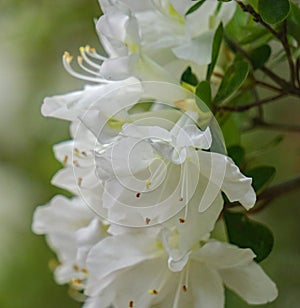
[84,271]
[67,59]
[184,288]
[79,181]
[92,52]
[153,292]
[180,199]
[80,63]
[87,60]
[76,163]
[138,194]
[75,267]
[147,220]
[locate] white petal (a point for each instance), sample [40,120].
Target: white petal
[191,135]
[223,255]
[197,50]
[213,167]
[251,283]
[206,287]
[237,187]
[114,254]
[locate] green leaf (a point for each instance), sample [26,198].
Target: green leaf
[189,77]
[215,50]
[234,77]
[247,233]
[293,22]
[194,7]
[203,91]
[237,153]
[273,11]
[260,56]
[261,177]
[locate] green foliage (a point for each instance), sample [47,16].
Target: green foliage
[203,91]
[234,77]
[194,7]
[218,37]
[273,12]
[261,177]
[243,29]
[237,153]
[247,233]
[259,56]
[189,77]
[293,22]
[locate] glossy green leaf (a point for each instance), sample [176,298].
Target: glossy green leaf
[218,37]
[247,233]
[261,177]
[237,153]
[273,11]
[203,91]
[260,56]
[234,77]
[194,7]
[293,22]
[189,77]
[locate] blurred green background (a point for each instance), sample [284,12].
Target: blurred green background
[33,37]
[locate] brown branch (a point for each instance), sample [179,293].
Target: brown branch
[281,36]
[254,104]
[275,126]
[275,191]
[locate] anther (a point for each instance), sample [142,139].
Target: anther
[147,220]
[184,288]
[79,181]
[182,220]
[75,267]
[65,159]
[180,199]
[153,292]
[138,194]
[131,303]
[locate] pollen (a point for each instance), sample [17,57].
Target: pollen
[182,220]
[153,292]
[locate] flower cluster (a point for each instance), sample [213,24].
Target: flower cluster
[148,168]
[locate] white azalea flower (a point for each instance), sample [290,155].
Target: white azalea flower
[71,229]
[198,282]
[150,173]
[170,37]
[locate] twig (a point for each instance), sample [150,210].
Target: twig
[257,122]
[254,104]
[275,191]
